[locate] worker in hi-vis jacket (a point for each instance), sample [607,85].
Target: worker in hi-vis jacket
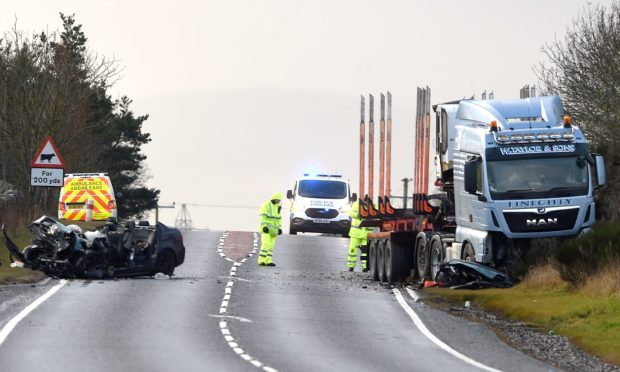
[359,237]
[270,228]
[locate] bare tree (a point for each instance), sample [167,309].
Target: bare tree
[584,69]
[49,84]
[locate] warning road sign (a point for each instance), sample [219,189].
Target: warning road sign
[48,155]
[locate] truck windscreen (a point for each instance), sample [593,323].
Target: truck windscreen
[538,177]
[321,189]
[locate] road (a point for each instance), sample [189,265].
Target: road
[223,312]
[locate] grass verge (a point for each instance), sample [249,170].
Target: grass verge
[9,275]
[589,319]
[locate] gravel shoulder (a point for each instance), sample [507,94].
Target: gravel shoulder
[547,347]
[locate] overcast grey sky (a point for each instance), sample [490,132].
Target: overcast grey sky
[244,96]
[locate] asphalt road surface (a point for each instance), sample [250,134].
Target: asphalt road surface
[222,312]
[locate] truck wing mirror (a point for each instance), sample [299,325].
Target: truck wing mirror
[600,169]
[289,194]
[353,198]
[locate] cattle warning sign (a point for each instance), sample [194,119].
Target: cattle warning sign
[48,155]
[47,166]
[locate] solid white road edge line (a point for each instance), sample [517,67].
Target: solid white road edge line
[413,294]
[6,330]
[418,322]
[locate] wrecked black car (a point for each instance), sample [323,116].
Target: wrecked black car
[115,250]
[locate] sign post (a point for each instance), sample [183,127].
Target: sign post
[47,166]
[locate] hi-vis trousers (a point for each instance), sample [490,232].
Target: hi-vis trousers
[267,241]
[354,245]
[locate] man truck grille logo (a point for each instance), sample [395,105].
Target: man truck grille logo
[534,220]
[542,222]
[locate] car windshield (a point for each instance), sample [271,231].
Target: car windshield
[537,178]
[322,189]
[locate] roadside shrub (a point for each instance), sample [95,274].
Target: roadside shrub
[544,276]
[606,282]
[590,254]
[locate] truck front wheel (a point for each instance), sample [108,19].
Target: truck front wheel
[468,252]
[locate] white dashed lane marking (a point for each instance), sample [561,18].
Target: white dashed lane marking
[230,340]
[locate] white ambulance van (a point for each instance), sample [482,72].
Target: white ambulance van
[320,203]
[80,190]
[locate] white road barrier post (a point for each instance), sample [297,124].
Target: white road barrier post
[89,209]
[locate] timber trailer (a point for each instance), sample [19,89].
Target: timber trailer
[489,176]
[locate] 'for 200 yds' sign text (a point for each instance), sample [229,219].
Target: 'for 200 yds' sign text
[46,177]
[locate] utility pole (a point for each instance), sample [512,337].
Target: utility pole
[405,191]
[157,211]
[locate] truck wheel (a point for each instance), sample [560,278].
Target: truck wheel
[381,260]
[468,253]
[394,265]
[372,260]
[437,255]
[388,262]
[421,256]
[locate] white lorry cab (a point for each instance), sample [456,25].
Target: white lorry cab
[320,203]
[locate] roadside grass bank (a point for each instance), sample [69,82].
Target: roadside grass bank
[22,237]
[590,321]
[10,275]
[574,291]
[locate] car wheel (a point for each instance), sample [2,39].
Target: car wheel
[292,231]
[31,254]
[165,262]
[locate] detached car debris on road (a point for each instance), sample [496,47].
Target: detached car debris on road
[457,274]
[117,250]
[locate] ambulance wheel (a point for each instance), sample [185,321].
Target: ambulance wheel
[372,260]
[381,260]
[468,252]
